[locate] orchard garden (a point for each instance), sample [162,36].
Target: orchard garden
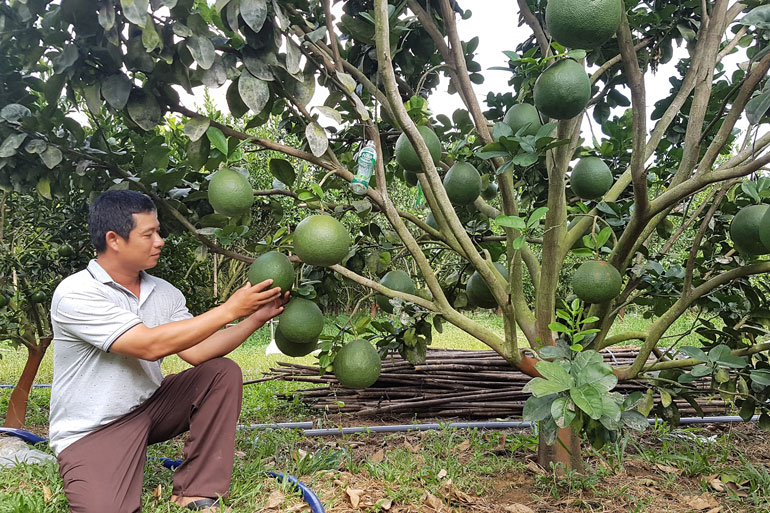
[553,223]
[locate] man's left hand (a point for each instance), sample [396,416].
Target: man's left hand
[271,309]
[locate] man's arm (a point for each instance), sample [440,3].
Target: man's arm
[224,341]
[171,338]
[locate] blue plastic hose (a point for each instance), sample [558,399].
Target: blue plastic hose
[307,494]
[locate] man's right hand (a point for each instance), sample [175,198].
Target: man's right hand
[249,298]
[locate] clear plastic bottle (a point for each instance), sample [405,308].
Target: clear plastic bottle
[366,159]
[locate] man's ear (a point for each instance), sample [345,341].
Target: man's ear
[112,239]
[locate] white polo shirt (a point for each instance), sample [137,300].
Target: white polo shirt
[92,386]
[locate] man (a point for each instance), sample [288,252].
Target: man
[113,324]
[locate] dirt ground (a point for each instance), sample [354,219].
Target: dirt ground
[638,485]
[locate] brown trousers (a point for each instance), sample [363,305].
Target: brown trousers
[103,471]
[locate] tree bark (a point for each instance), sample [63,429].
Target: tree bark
[564,453]
[17,405]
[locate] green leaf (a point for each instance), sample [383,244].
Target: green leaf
[283,171]
[633,400]
[645,407]
[64,61]
[537,408]
[549,430]
[116,89]
[536,216]
[576,54]
[316,139]
[347,80]
[722,355]
[540,387]
[51,157]
[759,16]
[764,421]
[150,38]
[519,242]
[202,50]
[695,353]
[525,159]
[11,144]
[92,95]
[554,371]
[758,106]
[747,409]
[665,398]
[514,222]
[760,377]
[196,127]
[559,327]
[254,13]
[44,188]
[254,92]
[588,399]
[634,420]
[144,109]
[700,370]
[14,112]
[603,236]
[330,113]
[599,376]
[217,139]
[135,11]
[562,411]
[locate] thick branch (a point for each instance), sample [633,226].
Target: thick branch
[366,282]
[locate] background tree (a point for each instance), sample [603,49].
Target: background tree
[370,73]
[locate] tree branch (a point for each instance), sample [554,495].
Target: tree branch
[537,29]
[332,35]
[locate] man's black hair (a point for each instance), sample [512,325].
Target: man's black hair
[113,212]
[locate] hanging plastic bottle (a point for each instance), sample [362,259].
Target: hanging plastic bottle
[366,159]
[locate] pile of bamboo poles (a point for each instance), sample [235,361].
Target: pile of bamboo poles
[451,383]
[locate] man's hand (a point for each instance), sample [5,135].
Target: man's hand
[250,298]
[271,309]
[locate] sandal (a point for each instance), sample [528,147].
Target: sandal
[202,504]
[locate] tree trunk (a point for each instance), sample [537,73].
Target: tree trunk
[17,405]
[564,453]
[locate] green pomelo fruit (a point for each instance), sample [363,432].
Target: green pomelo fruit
[478,291]
[230,193]
[462,183]
[321,240]
[490,192]
[523,115]
[272,266]
[38,297]
[407,156]
[745,230]
[411,178]
[395,280]
[357,365]
[290,348]
[665,228]
[563,90]
[764,230]
[591,178]
[431,221]
[596,282]
[66,251]
[301,321]
[583,24]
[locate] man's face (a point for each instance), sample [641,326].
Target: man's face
[142,249]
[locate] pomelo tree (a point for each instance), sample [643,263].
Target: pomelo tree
[679,172]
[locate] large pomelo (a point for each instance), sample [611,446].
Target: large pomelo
[462,183]
[563,90]
[321,240]
[230,193]
[406,154]
[289,348]
[523,115]
[596,282]
[591,178]
[272,266]
[301,321]
[746,232]
[395,280]
[583,24]
[478,291]
[357,364]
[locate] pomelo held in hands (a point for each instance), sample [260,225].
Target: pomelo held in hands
[273,266]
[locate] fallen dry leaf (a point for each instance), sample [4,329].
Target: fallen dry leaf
[668,469]
[701,502]
[534,467]
[354,494]
[274,500]
[47,494]
[717,484]
[433,501]
[464,445]
[158,492]
[377,456]
[441,473]
[715,510]
[240,454]
[298,507]
[300,455]
[384,504]
[646,481]
[518,508]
